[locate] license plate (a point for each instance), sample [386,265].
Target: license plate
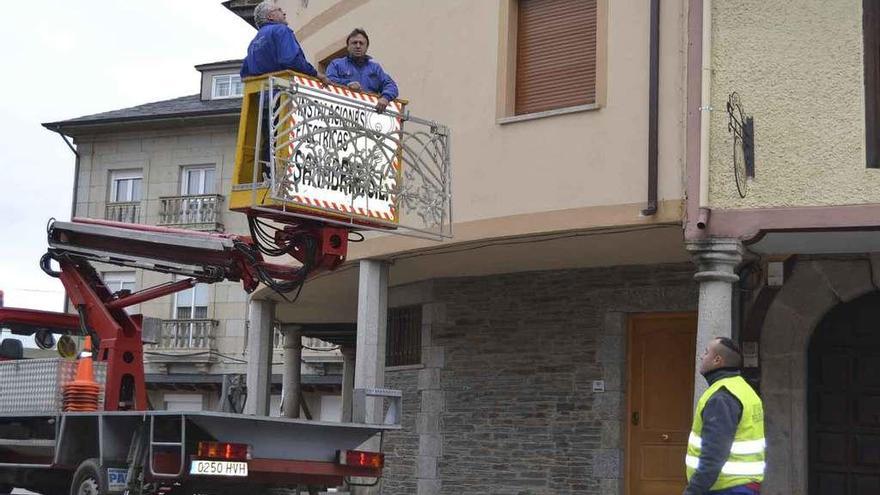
[218,468]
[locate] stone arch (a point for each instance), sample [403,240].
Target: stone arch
[814,287]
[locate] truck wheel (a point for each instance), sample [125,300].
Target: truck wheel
[88,479]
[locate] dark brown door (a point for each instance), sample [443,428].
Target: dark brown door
[660,401]
[844,400]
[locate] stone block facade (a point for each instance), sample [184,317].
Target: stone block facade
[504,396]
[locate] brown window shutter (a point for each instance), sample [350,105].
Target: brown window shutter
[555,54]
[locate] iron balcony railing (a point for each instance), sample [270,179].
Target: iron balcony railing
[128,212]
[198,334]
[199,212]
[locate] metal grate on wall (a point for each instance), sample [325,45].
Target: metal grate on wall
[404,339]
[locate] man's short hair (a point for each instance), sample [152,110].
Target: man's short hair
[730,352]
[355,32]
[261,12]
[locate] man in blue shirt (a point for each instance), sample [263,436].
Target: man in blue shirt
[275,47]
[359,72]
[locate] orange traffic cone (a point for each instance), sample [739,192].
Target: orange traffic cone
[82,393]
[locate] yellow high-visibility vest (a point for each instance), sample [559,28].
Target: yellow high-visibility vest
[745,464]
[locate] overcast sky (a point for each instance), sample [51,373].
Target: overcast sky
[67,58]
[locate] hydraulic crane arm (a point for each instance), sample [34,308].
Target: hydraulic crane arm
[206,257]
[198,256]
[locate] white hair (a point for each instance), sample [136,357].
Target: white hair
[261,12]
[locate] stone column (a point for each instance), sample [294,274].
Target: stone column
[347,382]
[369,364]
[292,371]
[261,314]
[717,261]
[372,322]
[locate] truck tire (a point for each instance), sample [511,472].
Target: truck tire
[88,479]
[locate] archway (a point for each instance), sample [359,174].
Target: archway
[843,400]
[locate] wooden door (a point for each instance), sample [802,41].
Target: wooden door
[661,359]
[844,400]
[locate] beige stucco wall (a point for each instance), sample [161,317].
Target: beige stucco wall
[798,69]
[445,56]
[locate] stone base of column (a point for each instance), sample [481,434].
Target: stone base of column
[717,261]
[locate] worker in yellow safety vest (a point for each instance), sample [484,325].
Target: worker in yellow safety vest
[725,453]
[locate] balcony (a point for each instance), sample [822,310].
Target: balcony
[185,340]
[197,212]
[128,212]
[310,345]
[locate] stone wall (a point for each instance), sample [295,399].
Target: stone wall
[402,447]
[516,356]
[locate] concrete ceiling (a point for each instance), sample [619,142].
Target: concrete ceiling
[818,242]
[332,297]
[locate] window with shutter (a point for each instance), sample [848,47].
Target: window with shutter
[556,55]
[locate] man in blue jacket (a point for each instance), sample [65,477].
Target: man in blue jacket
[359,72]
[275,47]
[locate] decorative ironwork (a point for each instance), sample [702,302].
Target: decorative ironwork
[201,212]
[393,168]
[403,345]
[742,127]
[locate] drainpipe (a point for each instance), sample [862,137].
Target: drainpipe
[75,168]
[653,107]
[57,129]
[706,116]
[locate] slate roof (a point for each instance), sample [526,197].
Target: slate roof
[185,106]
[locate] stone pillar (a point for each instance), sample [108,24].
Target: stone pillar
[369,364]
[372,322]
[292,371]
[347,382]
[261,314]
[717,261]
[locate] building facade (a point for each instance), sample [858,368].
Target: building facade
[804,216]
[564,294]
[521,343]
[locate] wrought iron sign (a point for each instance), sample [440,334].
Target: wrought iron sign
[335,155]
[742,127]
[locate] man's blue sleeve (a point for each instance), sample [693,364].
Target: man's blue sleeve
[389,87]
[290,54]
[720,420]
[333,73]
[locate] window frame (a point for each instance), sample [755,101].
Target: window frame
[185,178]
[507,60]
[117,176]
[117,278]
[192,306]
[325,60]
[215,80]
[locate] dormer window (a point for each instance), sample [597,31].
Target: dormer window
[226,86]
